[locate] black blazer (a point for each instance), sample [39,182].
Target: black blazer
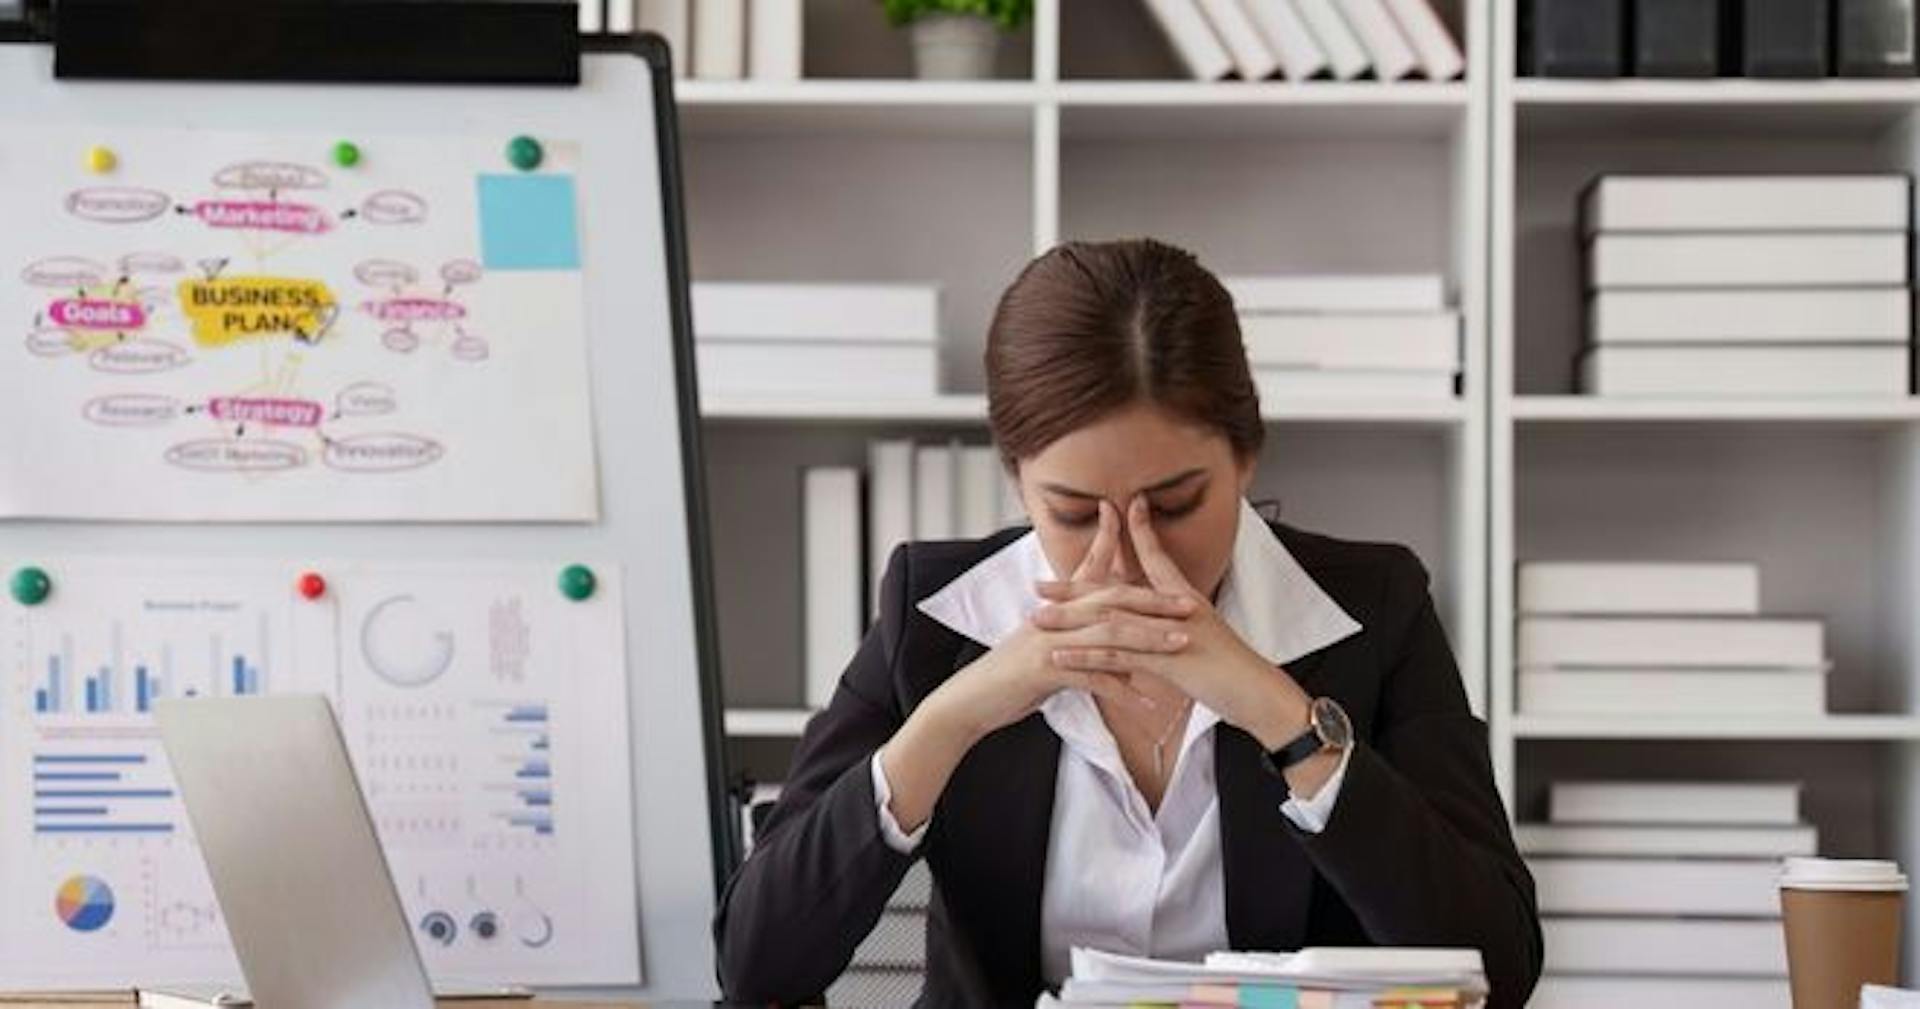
[1417,851]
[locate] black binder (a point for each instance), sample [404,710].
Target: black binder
[1873,38]
[1676,38]
[443,41]
[1784,38]
[1575,38]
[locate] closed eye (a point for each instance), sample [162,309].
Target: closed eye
[1077,521]
[1178,510]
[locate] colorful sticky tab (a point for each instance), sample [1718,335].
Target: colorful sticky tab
[1418,998]
[1269,996]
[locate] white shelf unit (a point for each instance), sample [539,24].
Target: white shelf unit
[868,177]
[1824,494]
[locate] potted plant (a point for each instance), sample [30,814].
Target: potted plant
[957,39]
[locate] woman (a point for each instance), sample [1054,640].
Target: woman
[1214,732]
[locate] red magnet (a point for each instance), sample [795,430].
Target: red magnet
[312,586]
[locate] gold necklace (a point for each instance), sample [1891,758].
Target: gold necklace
[1160,744]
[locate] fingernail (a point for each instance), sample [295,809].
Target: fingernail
[1177,639]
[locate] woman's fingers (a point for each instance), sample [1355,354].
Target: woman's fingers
[1140,634]
[1106,545]
[1161,571]
[1078,616]
[1109,661]
[1080,597]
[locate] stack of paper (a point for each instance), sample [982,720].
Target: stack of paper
[863,341]
[1359,336]
[1747,285]
[1309,39]
[1314,978]
[1632,639]
[1667,881]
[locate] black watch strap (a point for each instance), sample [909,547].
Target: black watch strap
[1303,746]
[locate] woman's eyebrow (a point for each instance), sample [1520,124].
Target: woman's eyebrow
[1167,484]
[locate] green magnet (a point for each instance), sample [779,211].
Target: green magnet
[346,154]
[524,153]
[31,586]
[577,582]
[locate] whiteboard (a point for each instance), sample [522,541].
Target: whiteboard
[646,543]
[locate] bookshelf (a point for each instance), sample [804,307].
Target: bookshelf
[1821,493]
[1092,131]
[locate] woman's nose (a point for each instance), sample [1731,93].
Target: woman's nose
[1126,564]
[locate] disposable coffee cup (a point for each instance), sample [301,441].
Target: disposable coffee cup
[1842,921]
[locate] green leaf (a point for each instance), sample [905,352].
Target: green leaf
[1010,15]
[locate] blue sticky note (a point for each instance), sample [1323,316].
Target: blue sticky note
[1265,996]
[527,223]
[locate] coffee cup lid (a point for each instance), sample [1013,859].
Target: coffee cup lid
[1863,874]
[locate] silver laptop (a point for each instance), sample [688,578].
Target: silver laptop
[293,855]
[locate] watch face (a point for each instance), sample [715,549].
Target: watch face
[1330,721]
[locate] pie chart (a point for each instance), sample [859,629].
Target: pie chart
[404,642]
[84,903]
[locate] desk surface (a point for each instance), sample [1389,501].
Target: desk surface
[122,1000]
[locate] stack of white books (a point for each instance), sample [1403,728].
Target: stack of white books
[1387,40]
[1664,893]
[912,491]
[1322,977]
[863,341]
[711,39]
[1655,639]
[1348,336]
[1747,285]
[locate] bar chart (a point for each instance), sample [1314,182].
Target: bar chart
[102,793]
[105,689]
[526,755]
[120,664]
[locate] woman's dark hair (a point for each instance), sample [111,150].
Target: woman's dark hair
[1090,327]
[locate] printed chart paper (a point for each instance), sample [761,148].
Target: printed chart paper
[486,715]
[237,327]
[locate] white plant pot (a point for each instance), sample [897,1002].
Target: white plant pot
[954,47]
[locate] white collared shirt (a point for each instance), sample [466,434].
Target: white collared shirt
[1119,876]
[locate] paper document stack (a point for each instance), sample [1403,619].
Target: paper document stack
[1314,978]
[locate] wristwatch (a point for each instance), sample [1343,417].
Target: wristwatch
[1328,728]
